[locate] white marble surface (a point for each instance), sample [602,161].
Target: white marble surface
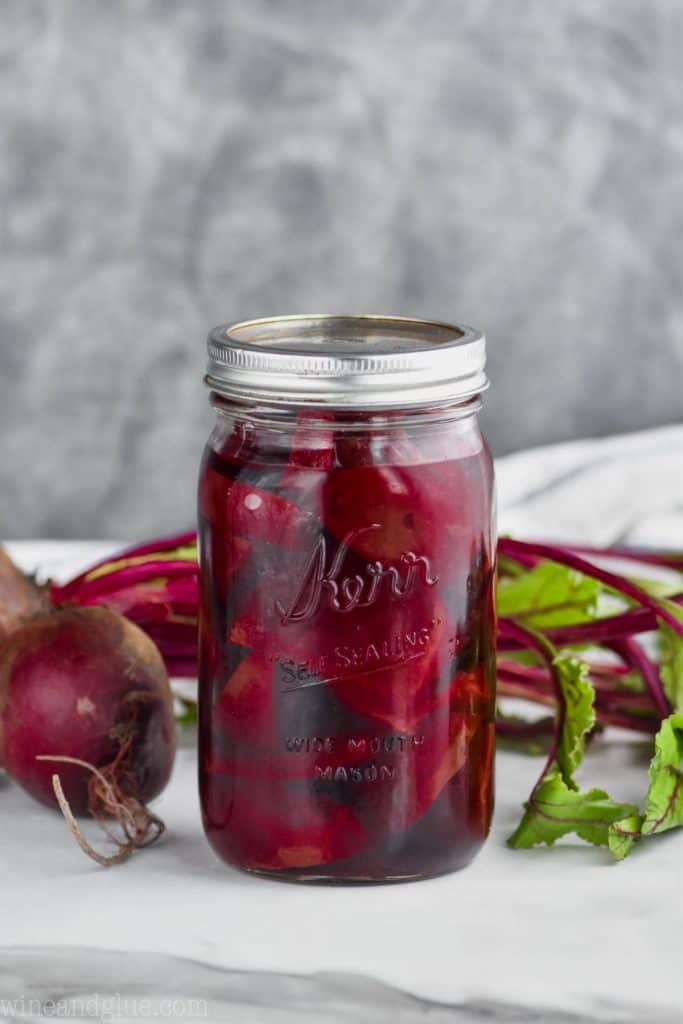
[561,934]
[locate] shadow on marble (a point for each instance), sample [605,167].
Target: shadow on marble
[39,985]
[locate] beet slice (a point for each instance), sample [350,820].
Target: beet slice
[260,732]
[382,503]
[243,710]
[427,763]
[397,693]
[260,515]
[277,826]
[313,447]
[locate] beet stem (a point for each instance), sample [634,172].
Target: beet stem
[543,648]
[622,585]
[635,656]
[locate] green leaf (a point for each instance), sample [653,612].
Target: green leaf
[622,834]
[549,595]
[554,810]
[671,659]
[186,711]
[631,682]
[556,806]
[579,715]
[664,801]
[671,664]
[657,588]
[509,567]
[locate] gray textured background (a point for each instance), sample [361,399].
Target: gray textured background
[168,165]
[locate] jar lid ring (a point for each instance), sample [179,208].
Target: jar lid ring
[346,361]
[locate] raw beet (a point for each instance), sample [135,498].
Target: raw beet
[346,671]
[85,683]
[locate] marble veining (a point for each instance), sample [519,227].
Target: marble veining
[38,984]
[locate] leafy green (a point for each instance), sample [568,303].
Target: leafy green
[664,800]
[554,810]
[553,594]
[631,682]
[509,567]
[671,660]
[671,665]
[549,595]
[621,835]
[658,588]
[186,710]
[556,806]
[571,674]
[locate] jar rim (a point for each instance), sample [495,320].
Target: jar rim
[362,362]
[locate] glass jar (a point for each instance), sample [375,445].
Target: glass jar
[347,676]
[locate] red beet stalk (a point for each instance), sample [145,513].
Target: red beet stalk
[156,586]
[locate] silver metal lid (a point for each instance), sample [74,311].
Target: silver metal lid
[357,362]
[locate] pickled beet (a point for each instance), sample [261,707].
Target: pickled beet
[347,627]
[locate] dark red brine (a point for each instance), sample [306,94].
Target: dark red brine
[347,676]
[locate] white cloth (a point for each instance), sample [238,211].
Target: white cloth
[626,489]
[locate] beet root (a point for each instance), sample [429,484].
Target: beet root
[86,691]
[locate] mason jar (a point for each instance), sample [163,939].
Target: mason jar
[347,628]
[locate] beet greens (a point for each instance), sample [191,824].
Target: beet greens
[571,632]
